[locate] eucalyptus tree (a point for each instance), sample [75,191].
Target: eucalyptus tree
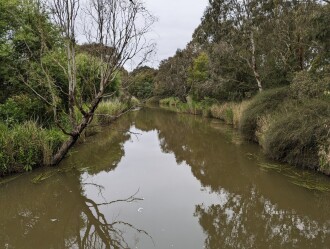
[173,74]
[261,44]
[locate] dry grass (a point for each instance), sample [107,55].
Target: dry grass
[230,112]
[238,110]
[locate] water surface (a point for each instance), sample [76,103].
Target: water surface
[157,179]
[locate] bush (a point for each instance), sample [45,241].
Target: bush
[296,136]
[262,104]
[18,109]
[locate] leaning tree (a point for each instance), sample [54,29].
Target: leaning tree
[115,31]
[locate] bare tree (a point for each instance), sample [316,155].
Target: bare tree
[116,29]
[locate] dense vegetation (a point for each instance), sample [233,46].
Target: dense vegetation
[263,66]
[51,87]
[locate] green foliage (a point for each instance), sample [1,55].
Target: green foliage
[88,76]
[141,85]
[172,76]
[26,146]
[307,85]
[190,106]
[108,110]
[26,33]
[199,71]
[170,101]
[20,108]
[296,134]
[262,104]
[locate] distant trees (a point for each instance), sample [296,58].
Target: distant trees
[173,74]
[141,82]
[250,46]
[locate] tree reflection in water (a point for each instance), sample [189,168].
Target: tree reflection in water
[57,214]
[254,222]
[256,210]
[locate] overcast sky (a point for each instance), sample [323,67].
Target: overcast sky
[177,19]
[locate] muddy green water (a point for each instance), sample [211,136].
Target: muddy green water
[157,179]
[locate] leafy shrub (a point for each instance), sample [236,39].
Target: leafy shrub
[20,108]
[295,136]
[262,104]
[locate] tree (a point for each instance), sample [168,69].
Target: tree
[199,75]
[141,82]
[117,29]
[173,73]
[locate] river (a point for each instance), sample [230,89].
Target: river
[158,179]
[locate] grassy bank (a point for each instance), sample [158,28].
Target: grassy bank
[28,145]
[289,129]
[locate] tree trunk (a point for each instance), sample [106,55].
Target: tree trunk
[61,153]
[77,131]
[254,62]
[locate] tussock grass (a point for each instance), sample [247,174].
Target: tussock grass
[171,101]
[177,105]
[230,112]
[297,133]
[291,130]
[262,104]
[108,110]
[26,146]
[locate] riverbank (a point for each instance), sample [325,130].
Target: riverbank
[28,145]
[289,129]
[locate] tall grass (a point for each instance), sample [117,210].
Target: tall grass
[223,112]
[230,112]
[263,104]
[26,146]
[190,106]
[108,110]
[171,101]
[298,132]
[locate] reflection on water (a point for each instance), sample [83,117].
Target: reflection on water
[254,222]
[196,185]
